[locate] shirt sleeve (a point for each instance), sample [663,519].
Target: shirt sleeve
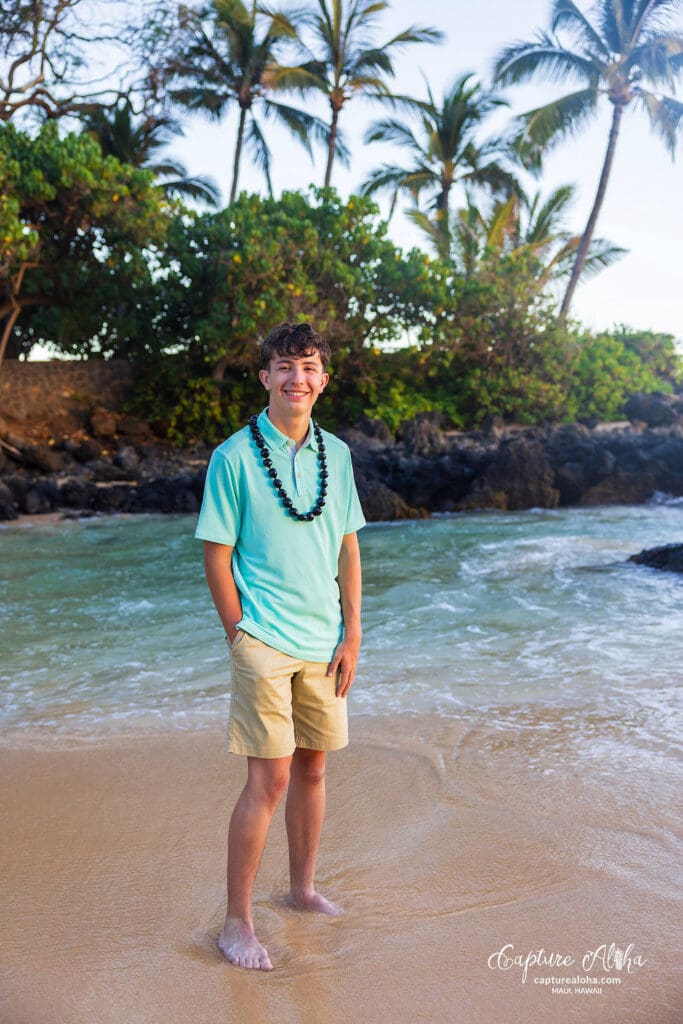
[355,519]
[219,518]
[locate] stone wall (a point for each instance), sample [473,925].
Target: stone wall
[58,396]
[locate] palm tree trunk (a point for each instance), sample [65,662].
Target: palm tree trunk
[587,236]
[238,154]
[331,146]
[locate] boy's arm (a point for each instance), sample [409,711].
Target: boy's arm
[350,580]
[218,569]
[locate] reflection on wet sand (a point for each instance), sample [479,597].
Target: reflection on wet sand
[446,841]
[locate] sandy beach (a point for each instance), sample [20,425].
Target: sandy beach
[445,843]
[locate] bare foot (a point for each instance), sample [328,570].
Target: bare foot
[314,901]
[240,946]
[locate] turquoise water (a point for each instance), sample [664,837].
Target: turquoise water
[107,624]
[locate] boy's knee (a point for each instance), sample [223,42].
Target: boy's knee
[272,784]
[309,765]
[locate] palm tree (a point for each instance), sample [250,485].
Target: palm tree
[445,153]
[222,56]
[624,44]
[344,60]
[528,224]
[137,144]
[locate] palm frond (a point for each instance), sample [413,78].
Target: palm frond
[659,59]
[546,217]
[341,148]
[383,179]
[666,117]
[280,25]
[297,121]
[493,177]
[601,255]
[390,130]
[370,85]
[416,34]
[164,168]
[612,25]
[544,57]
[300,78]
[503,223]
[371,60]
[547,125]
[233,12]
[259,150]
[566,14]
[197,187]
[437,233]
[211,104]
[651,17]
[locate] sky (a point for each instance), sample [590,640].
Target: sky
[643,210]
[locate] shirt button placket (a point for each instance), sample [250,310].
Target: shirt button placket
[295,471]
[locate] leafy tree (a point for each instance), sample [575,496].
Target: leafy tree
[138,144]
[220,60]
[608,367]
[229,276]
[445,153]
[234,273]
[344,61]
[625,46]
[72,217]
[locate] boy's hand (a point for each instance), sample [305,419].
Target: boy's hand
[345,660]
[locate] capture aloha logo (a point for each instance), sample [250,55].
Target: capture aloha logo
[614,960]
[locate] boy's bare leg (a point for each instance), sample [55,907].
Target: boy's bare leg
[304,814]
[267,780]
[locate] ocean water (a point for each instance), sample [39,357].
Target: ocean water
[509,618]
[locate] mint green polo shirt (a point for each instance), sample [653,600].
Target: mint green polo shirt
[285,570]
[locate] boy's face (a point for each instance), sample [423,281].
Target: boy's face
[293,383]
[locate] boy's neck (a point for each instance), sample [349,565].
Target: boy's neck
[294,427]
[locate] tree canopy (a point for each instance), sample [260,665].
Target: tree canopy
[71,220]
[100,257]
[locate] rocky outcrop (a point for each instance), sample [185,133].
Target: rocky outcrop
[426,468]
[668,556]
[515,468]
[81,476]
[519,476]
[657,409]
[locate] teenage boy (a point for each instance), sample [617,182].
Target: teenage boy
[279,521]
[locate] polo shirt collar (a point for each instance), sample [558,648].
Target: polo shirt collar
[274,438]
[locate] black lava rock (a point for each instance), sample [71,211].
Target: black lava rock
[667,556]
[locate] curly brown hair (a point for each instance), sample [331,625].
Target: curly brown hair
[296,340]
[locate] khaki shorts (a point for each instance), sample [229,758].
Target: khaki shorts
[279,703]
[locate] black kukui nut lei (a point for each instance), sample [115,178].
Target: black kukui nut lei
[287,502]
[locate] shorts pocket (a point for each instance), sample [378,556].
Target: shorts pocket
[238,639]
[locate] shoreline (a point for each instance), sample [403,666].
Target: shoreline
[444,841]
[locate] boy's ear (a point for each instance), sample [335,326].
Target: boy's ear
[264,377]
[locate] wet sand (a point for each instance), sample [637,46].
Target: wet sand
[445,842]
